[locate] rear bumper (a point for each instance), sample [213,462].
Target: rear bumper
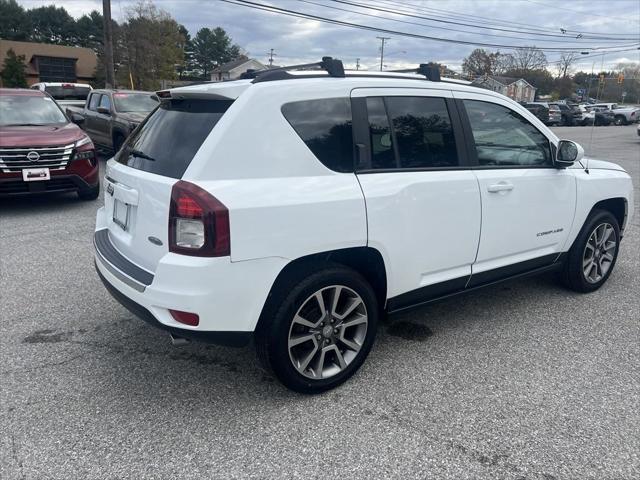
[227,296]
[231,339]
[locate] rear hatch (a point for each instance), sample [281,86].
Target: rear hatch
[140,177]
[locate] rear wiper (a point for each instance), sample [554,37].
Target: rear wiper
[139,154]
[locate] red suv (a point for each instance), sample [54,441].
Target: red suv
[41,151]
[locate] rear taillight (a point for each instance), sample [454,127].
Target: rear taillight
[198,222]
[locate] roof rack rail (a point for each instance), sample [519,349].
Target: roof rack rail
[332,66]
[430,70]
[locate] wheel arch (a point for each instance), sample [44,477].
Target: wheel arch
[617,206]
[365,260]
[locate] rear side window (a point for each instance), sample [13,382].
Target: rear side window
[325,126]
[423,132]
[171,135]
[410,133]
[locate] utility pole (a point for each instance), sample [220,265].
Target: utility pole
[357,64]
[271,55]
[382,39]
[108,44]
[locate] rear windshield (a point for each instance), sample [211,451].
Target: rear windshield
[169,138]
[67,92]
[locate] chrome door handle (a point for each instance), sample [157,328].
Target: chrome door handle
[500,187]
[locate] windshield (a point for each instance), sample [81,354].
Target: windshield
[29,110]
[68,92]
[167,140]
[134,102]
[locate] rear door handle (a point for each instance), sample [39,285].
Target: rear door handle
[500,187]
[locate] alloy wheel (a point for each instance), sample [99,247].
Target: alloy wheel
[327,332]
[599,252]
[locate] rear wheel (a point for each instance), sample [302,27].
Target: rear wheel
[594,253]
[620,120]
[321,332]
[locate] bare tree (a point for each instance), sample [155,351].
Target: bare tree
[480,62]
[527,59]
[564,65]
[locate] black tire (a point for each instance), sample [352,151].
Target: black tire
[118,141]
[573,275]
[620,120]
[90,193]
[273,334]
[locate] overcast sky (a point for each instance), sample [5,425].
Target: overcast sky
[297,40]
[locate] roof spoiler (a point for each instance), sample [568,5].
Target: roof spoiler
[168,95]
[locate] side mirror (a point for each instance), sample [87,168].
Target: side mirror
[104,110]
[77,119]
[568,153]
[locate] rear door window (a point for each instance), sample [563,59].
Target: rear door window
[325,126]
[171,135]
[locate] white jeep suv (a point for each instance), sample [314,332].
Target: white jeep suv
[297,207]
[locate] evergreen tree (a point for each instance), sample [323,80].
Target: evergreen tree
[13,71]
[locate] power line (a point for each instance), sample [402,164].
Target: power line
[564,40]
[297,14]
[574,11]
[396,12]
[480,19]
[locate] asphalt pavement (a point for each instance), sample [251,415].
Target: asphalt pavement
[522,380]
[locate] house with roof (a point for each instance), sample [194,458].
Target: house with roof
[53,63]
[517,89]
[232,70]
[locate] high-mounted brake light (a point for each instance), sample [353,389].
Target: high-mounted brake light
[198,222]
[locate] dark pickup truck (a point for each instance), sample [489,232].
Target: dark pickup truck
[109,116]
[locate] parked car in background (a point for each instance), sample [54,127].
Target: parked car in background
[569,114]
[65,94]
[539,110]
[594,116]
[41,151]
[621,115]
[296,208]
[109,116]
[553,114]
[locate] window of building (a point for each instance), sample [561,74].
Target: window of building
[55,69]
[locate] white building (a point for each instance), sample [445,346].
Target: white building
[517,89]
[232,70]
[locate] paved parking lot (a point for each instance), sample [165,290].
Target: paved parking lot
[518,381]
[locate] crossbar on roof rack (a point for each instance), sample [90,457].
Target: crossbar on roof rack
[430,70]
[332,66]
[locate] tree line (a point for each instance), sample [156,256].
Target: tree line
[557,79]
[149,44]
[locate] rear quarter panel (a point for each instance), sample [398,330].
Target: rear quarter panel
[282,201]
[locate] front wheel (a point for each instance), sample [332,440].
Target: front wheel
[620,120]
[594,253]
[322,331]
